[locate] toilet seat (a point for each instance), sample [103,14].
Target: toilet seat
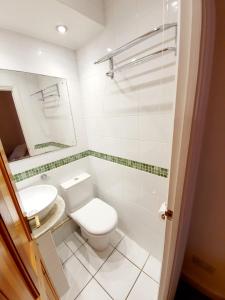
[96,217]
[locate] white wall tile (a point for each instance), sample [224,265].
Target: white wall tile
[155,153]
[131,116]
[156,127]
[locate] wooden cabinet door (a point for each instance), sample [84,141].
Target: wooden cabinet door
[13,283]
[21,271]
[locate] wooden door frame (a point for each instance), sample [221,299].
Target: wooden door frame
[16,257]
[8,177]
[184,166]
[8,181]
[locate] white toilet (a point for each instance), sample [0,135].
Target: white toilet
[96,219]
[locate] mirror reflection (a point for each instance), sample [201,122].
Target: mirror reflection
[35,114]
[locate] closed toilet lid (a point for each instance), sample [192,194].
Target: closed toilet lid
[96,217]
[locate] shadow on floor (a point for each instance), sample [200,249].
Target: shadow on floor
[187,292]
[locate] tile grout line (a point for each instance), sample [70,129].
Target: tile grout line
[71,249]
[148,274]
[84,288]
[92,276]
[99,267]
[133,285]
[128,259]
[70,255]
[141,270]
[73,255]
[114,248]
[77,248]
[118,242]
[103,288]
[150,277]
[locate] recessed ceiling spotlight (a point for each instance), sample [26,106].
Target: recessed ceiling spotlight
[61,28]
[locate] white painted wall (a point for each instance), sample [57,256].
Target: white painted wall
[93,9]
[38,19]
[22,53]
[132,115]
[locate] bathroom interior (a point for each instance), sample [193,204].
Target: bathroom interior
[88,98]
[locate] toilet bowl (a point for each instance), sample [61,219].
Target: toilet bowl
[97,221]
[96,218]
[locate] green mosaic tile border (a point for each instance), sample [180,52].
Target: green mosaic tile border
[115,159]
[44,145]
[47,167]
[131,164]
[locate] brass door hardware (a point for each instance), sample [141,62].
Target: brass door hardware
[36,220]
[167,214]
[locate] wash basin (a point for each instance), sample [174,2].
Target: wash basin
[38,200]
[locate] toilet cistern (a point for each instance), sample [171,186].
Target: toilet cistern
[96,218]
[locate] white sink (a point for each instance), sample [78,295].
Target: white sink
[38,200]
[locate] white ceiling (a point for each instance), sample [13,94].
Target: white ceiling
[38,19]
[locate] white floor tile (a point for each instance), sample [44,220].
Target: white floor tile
[116,237]
[63,252]
[73,242]
[144,289]
[77,277]
[133,251]
[93,291]
[153,268]
[91,258]
[117,276]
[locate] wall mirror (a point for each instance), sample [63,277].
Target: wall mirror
[35,114]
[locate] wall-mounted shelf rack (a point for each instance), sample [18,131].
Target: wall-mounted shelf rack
[135,61]
[50,91]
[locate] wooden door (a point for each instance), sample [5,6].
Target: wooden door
[189,38]
[22,274]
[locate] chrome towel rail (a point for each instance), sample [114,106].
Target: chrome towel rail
[141,60]
[133,43]
[50,91]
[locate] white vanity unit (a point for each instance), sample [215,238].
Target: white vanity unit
[45,209]
[47,247]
